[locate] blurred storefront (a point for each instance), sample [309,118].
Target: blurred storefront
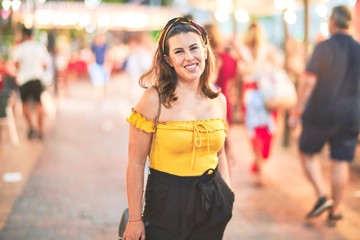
[109,16]
[77,18]
[233,16]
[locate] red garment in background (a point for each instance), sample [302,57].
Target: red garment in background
[261,141]
[79,67]
[2,76]
[227,72]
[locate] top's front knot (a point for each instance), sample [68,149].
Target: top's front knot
[201,128]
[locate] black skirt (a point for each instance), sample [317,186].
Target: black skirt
[186,208]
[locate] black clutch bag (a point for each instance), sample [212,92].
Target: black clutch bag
[123,222]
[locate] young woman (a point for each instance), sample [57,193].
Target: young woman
[187,194]
[260,57]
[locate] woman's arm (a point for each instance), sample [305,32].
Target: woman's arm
[222,159]
[139,142]
[139,146]
[223,166]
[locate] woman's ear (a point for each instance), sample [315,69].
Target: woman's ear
[168,60]
[206,53]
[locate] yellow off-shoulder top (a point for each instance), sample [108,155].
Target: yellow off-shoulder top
[183,148]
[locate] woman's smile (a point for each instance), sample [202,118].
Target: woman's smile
[191,67]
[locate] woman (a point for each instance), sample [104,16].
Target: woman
[226,64]
[226,60]
[259,58]
[186,197]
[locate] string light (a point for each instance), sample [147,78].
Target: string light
[15,5]
[6,4]
[11,5]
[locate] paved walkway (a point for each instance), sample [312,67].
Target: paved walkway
[73,183]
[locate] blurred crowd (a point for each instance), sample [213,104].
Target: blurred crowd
[77,55]
[95,57]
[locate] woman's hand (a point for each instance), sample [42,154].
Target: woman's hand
[134,231]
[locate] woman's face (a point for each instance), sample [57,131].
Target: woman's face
[187,55]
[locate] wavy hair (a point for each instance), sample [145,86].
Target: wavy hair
[163,77]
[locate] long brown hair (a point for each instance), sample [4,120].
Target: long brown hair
[164,77]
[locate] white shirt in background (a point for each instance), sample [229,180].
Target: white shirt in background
[33,58]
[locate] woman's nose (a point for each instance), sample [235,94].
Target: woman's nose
[188,55]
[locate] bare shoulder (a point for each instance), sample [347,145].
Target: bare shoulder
[148,103]
[220,101]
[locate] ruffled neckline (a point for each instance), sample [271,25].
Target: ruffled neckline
[177,121]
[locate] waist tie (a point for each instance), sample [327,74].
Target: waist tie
[200,185]
[197,185]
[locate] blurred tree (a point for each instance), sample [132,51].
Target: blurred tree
[6,34]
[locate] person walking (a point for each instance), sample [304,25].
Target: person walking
[329,104]
[138,61]
[226,63]
[188,194]
[259,58]
[31,59]
[98,72]
[226,59]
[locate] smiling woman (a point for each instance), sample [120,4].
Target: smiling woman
[168,75]
[188,193]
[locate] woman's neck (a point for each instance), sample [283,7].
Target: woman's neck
[189,88]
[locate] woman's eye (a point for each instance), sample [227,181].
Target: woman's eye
[194,48]
[178,51]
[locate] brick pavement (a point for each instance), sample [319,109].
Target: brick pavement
[73,183]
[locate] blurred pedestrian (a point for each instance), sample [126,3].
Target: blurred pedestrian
[99,74]
[295,57]
[61,58]
[226,63]
[329,103]
[137,63]
[259,57]
[187,194]
[31,60]
[226,60]
[7,78]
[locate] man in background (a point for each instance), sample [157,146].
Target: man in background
[329,102]
[31,59]
[98,70]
